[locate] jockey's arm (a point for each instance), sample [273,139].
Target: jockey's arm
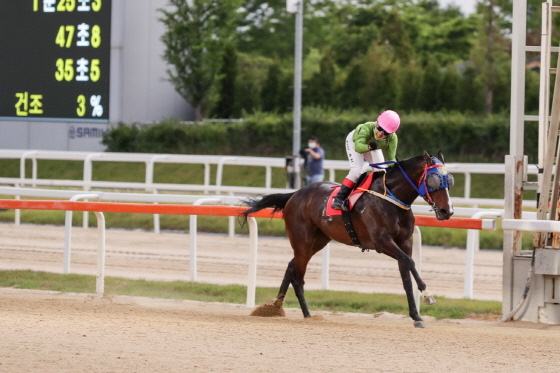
[362,136]
[392,142]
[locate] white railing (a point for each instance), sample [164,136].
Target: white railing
[330,166]
[471,246]
[88,185]
[253,233]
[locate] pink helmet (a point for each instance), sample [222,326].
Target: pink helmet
[389,121]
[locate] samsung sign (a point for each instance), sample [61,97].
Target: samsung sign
[80,132]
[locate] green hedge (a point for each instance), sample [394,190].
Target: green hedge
[462,138]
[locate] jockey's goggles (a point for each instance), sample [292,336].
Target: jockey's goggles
[379,129]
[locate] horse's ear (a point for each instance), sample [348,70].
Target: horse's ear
[440,156]
[427,157]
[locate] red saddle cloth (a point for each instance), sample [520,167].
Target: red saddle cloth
[352,199]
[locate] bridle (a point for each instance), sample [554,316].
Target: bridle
[434,178]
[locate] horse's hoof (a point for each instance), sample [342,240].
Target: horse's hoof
[419,324]
[429,299]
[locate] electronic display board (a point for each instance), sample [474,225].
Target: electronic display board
[55,60]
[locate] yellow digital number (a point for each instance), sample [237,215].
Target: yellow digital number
[61,37]
[95,71]
[64,70]
[35,5]
[59,74]
[95,36]
[81,110]
[66,6]
[96,5]
[69,70]
[65,36]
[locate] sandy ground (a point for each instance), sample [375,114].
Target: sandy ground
[53,332]
[60,332]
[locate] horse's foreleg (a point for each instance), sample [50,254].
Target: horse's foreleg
[407,284]
[416,275]
[428,297]
[407,267]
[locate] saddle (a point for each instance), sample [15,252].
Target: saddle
[364,182]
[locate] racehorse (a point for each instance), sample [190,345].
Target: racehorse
[381,224]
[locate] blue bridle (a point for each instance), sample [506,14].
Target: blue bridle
[434,178]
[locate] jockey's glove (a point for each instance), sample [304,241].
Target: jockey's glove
[373,145]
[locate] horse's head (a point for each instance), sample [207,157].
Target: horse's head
[434,186]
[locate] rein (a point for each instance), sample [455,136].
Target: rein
[421,189]
[388,196]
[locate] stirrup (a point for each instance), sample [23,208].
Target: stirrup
[338,206]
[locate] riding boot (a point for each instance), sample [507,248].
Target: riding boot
[343,193]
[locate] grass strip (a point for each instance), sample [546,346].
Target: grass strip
[334,301]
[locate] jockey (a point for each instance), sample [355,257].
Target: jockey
[366,142]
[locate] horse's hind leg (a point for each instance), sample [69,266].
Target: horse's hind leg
[300,268]
[297,267]
[290,277]
[287,281]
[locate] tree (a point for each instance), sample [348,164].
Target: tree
[381,89]
[490,50]
[429,92]
[490,35]
[320,88]
[448,88]
[266,28]
[470,90]
[252,73]
[196,36]
[411,82]
[352,29]
[350,94]
[393,34]
[270,94]
[227,105]
[443,34]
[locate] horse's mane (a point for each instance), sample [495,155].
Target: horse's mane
[406,163]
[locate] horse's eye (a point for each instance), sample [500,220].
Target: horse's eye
[450,180]
[433,181]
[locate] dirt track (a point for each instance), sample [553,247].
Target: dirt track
[61,332]
[52,332]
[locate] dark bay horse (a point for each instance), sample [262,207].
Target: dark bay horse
[380,224]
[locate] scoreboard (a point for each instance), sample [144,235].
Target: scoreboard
[55,60]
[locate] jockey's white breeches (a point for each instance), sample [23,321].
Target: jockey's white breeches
[359,163]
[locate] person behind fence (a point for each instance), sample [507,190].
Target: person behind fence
[366,142]
[314,155]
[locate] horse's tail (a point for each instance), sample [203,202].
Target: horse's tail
[277,201]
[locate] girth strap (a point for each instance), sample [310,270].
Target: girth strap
[349,226]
